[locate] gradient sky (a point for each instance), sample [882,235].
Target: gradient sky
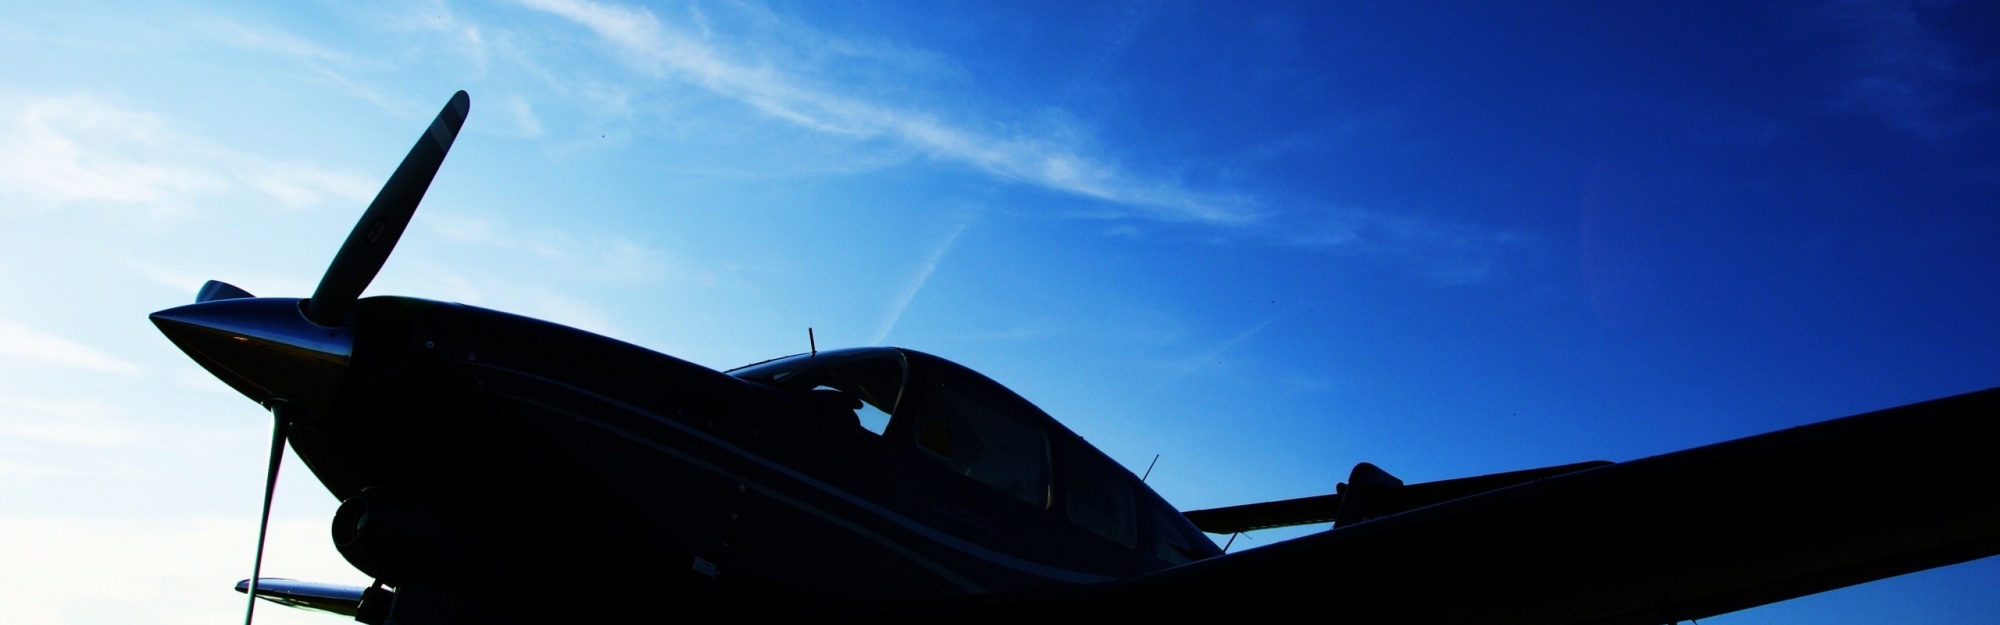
[1264,242]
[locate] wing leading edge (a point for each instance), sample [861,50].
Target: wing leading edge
[1674,537]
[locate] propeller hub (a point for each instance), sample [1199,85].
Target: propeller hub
[264,347]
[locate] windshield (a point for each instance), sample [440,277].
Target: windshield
[867,381]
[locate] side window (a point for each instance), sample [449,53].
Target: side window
[1173,541]
[1170,548]
[974,436]
[1097,498]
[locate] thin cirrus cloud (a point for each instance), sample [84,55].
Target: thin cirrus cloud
[594,258]
[330,64]
[71,149]
[1443,252]
[22,343]
[1902,72]
[275,41]
[75,149]
[66,422]
[526,123]
[644,42]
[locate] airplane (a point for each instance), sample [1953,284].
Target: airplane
[500,469]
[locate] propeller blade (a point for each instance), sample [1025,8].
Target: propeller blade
[281,422]
[375,235]
[217,289]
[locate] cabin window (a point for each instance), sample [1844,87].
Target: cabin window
[1170,548]
[972,434]
[1097,498]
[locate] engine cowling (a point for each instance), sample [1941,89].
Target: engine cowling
[393,537]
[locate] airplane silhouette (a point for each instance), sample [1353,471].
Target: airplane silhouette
[500,469]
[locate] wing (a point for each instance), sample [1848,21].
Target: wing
[1368,493]
[1674,537]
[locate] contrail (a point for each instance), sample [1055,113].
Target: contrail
[916,283]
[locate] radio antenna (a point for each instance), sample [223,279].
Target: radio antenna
[814,345]
[1149,468]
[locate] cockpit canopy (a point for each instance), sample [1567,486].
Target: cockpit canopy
[957,418]
[977,428]
[867,381]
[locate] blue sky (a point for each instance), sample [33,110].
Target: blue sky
[1263,242]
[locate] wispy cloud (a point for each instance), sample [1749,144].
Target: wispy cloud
[920,275]
[786,80]
[17,469]
[25,344]
[296,185]
[523,116]
[1905,73]
[1446,253]
[1118,41]
[87,423]
[484,231]
[75,149]
[275,41]
[593,258]
[643,41]
[550,256]
[328,63]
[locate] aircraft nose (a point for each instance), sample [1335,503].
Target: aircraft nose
[265,348]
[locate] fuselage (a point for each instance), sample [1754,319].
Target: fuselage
[538,456]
